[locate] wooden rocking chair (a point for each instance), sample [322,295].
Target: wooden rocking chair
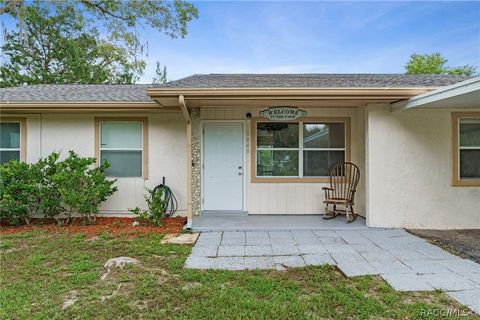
[344,178]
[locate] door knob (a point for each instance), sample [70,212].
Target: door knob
[239,167]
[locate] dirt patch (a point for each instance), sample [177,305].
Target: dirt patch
[465,243]
[102,225]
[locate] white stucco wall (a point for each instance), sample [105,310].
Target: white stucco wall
[294,198]
[409,172]
[167,152]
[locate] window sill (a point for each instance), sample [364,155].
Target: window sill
[466,183]
[289,180]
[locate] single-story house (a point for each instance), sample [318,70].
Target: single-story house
[263,143]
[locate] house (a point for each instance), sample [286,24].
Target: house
[262,143]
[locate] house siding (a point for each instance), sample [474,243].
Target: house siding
[409,172]
[47,133]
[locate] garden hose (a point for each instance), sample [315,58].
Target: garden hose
[169,197]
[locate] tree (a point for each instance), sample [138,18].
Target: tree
[58,49]
[160,75]
[105,27]
[435,63]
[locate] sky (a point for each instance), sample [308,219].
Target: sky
[317,37]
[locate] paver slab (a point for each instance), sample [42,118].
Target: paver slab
[469,298]
[231,251]
[258,251]
[318,259]
[197,262]
[311,248]
[290,261]
[391,267]
[427,266]
[353,237]
[407,282]
[454,282]
[347,257]
[230,263]
[461,265]
[339,247]
[285,250]
[280,234]
[204,251]
[233,241]
[259,263]
[353,269]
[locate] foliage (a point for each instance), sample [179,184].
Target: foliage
[51,199]
[83,187]
[156,203]
[59,49]
[19,191]
[85,41]
[435,63]
[72,186]
[160,75]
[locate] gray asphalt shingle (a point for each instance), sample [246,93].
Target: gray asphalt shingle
[137,92]
[313,81]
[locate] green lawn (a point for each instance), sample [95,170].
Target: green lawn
[39,271]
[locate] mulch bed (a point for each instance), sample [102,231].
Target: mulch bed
[102,225]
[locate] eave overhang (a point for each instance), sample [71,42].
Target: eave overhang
[353,97]
[465,94]
[80,107]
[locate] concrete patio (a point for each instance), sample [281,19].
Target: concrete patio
[242,221]
[406,262]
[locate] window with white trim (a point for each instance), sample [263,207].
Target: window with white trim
[299,150]
[121,144]
[469,148]
[10,142]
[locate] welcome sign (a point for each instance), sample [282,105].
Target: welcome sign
[283,113]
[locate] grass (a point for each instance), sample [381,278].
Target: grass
[39,271]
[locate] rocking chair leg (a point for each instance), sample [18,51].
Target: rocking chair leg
[329,214]
[354,215]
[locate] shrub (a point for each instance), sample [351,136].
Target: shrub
[156,206]
[73,186]
[82,186]
[19,191]
[50,197]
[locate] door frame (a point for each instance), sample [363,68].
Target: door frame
[244,160]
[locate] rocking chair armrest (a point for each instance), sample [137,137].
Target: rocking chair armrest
[327,188]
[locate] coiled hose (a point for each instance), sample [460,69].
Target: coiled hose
[168,197]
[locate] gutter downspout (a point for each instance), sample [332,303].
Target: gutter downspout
[188,120]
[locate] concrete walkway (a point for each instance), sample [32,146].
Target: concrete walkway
[406,262]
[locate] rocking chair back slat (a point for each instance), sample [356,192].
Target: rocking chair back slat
[344,178]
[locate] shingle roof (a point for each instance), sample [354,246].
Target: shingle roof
[314,81]
[76,92]
[136,92]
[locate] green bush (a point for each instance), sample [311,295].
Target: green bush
[82,186]
[74,187]
[19,191]
[51,199]
[156,206]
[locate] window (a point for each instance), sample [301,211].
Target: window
[302,150]
[12,140]
[466,149]
[123,144]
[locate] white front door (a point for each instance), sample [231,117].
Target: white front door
[223,166]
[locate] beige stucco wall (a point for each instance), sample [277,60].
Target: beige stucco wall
[409,172]
[166,143]
[293,198]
